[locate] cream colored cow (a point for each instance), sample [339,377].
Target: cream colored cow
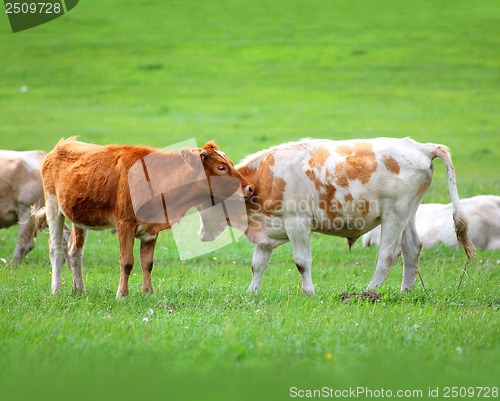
[20,188]
[435,224]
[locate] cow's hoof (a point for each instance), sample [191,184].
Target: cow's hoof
[373,287]
[56,289]
[308,292]
[253,290]
[78,291]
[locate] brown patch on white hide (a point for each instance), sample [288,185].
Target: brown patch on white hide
[360,163]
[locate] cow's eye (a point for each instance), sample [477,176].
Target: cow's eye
[222,168]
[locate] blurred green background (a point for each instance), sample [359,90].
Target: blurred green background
[252,74]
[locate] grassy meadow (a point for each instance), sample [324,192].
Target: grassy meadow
[252,75]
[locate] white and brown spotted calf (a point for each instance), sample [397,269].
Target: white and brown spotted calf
[345,189]
[20,189]
[434,223]
[90,185]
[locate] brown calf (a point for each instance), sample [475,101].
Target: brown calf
[89,185]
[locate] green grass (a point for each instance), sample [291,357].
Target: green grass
[251,75]
[202,327]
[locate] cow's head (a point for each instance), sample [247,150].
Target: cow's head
[223,178]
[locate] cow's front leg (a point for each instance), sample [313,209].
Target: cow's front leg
[260,260]
[147,252]
[299,234]
[126,235]
[55,220]
[25,236]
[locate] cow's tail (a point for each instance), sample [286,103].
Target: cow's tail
[39,216]
[459,218]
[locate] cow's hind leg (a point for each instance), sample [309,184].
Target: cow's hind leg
[147,252]
[411,246]
[390,248]
[260,261]
[300,237]
[66,237]
[55,220]
[75,254]
[126,236]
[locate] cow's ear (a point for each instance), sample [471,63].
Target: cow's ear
[189,157]
[210,145]
[203,155]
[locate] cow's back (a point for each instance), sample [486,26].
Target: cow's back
[334,180]
[66,155]
[90,181]
[344,164]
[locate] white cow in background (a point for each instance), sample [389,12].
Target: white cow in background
[435,223]
[20,188]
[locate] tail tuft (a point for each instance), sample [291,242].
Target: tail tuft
[39,216]
[463,238]
[458,215]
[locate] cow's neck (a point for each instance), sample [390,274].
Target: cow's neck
[178,204]
[176,197]
[183,196]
